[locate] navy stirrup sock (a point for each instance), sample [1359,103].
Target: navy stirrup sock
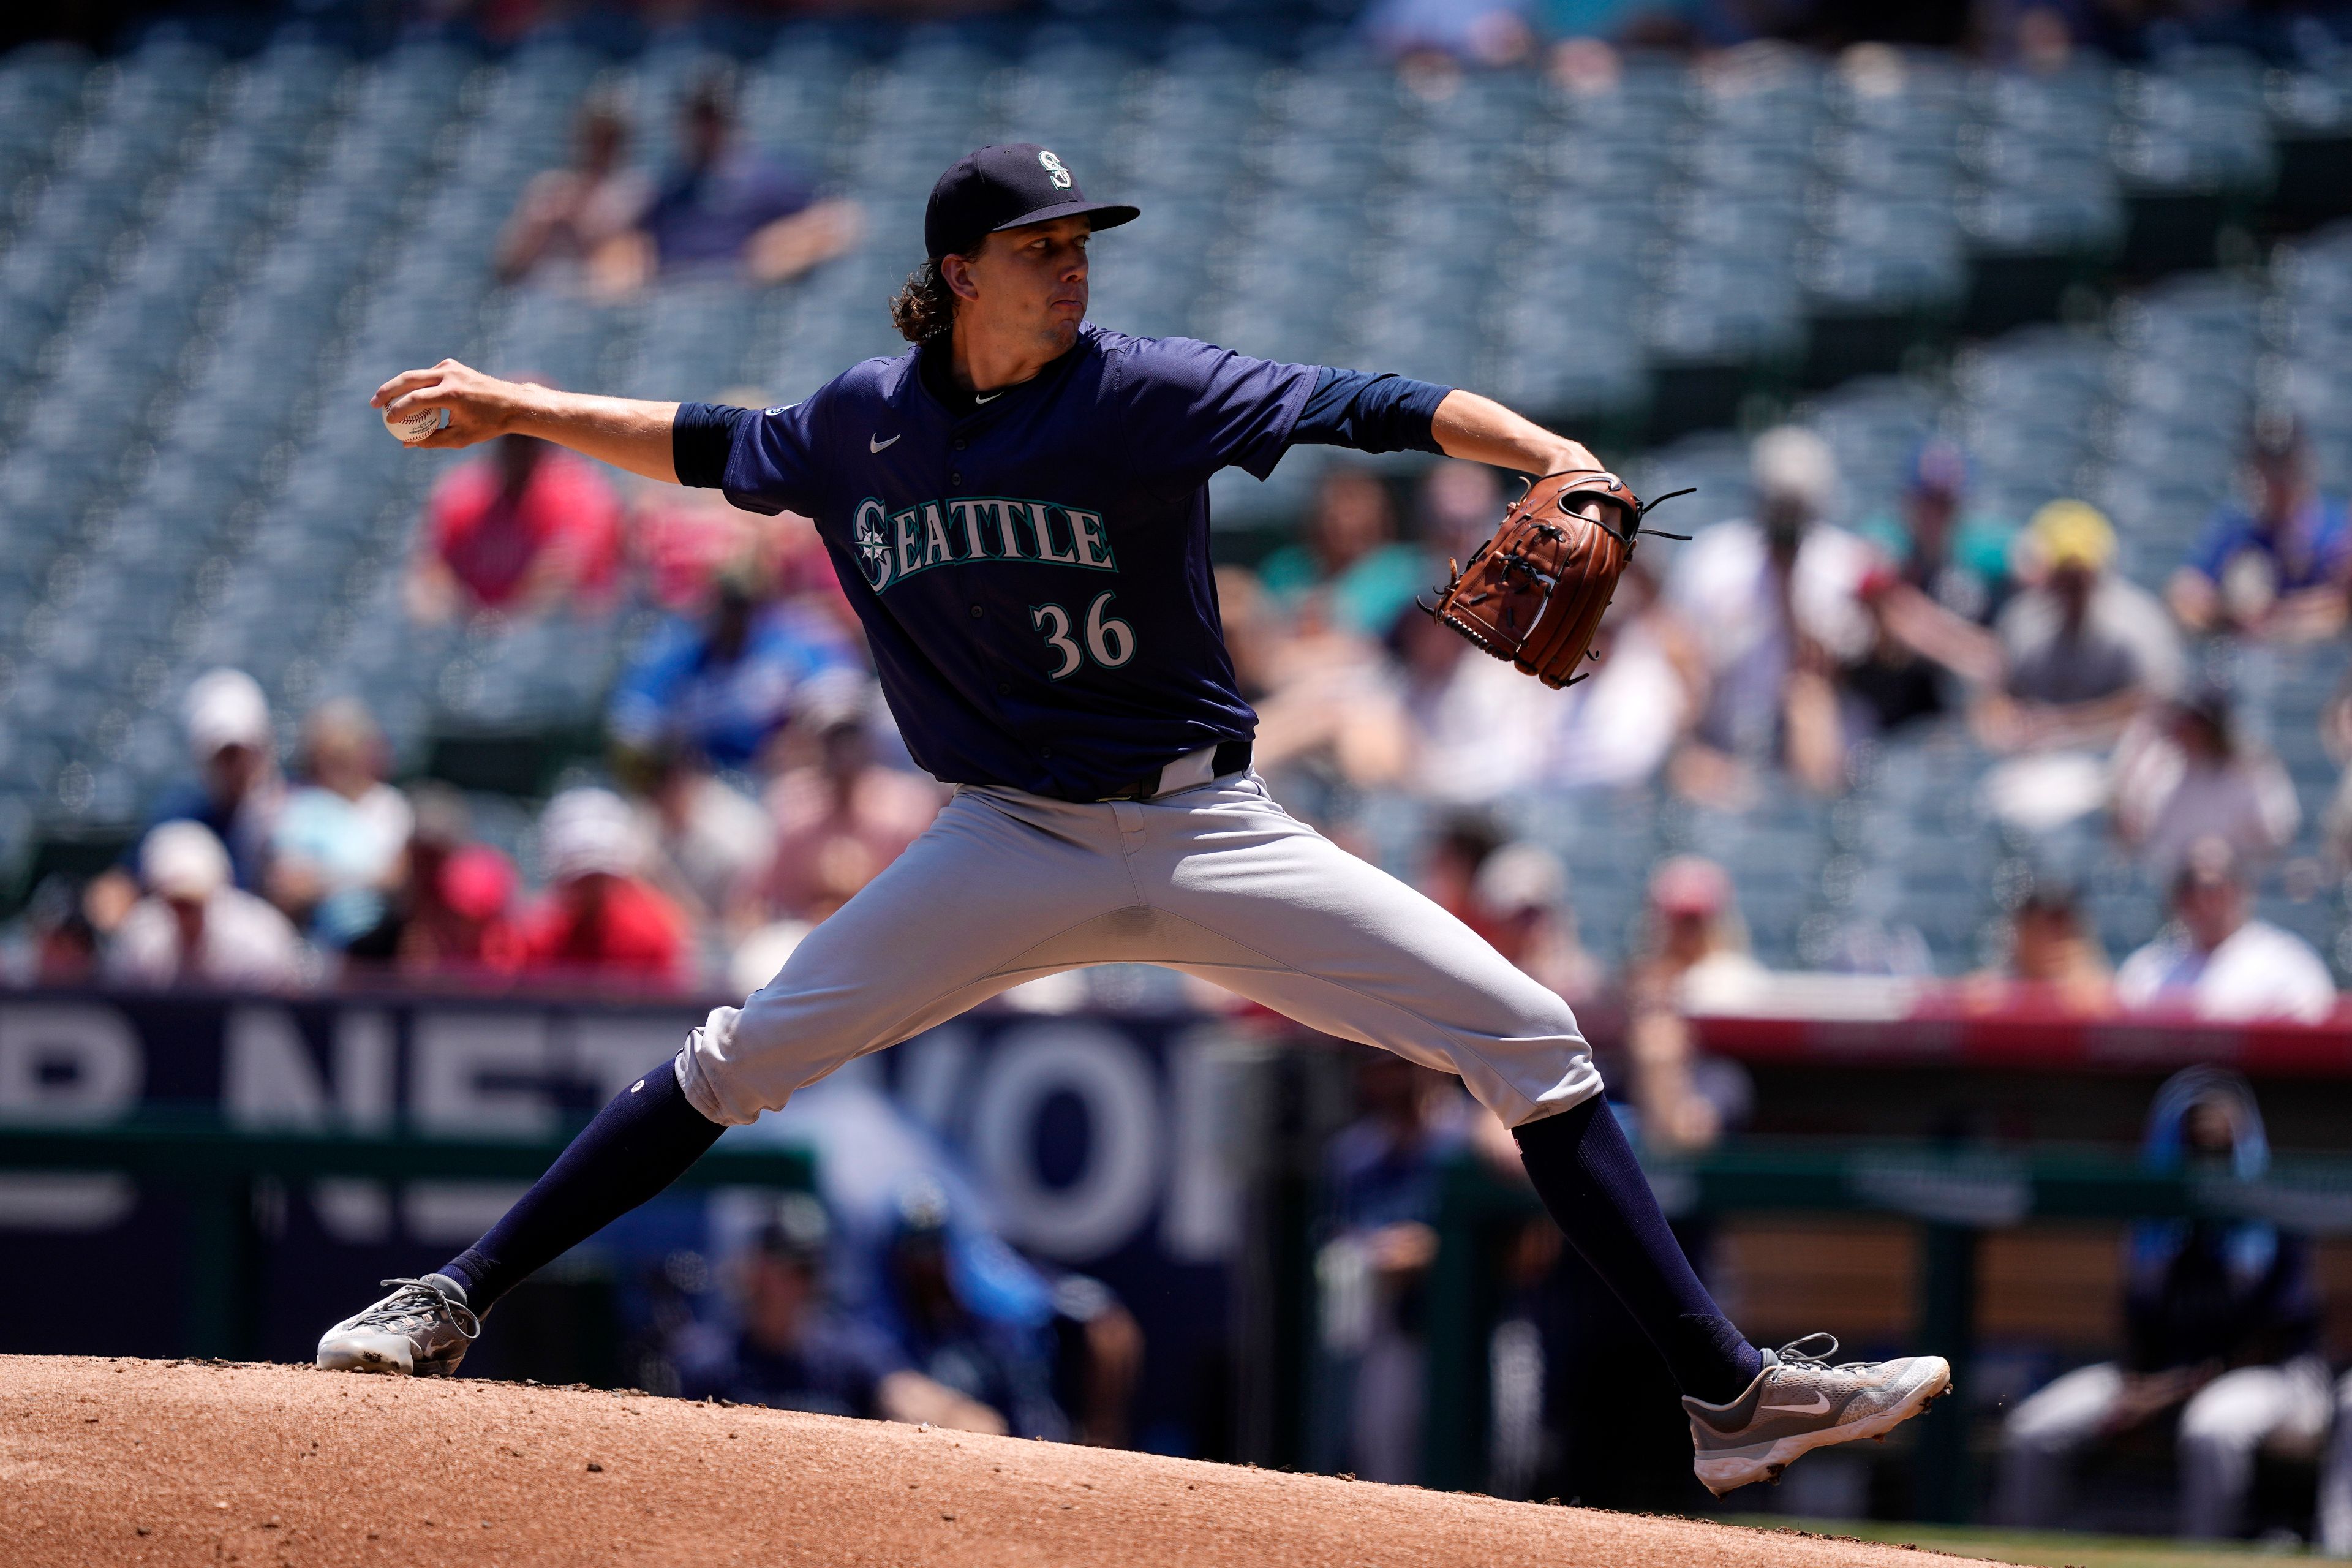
[638,1145]
[1587,1176]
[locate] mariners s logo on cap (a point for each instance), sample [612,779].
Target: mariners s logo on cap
[1005,187]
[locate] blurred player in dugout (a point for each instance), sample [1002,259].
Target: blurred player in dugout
[2221,1326]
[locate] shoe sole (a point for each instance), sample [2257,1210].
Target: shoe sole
[1729,1469]
[376,1362]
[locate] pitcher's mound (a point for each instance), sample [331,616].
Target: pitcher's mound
[118,1462]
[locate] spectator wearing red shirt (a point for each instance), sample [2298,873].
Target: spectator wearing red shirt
[518,531]
[601,920]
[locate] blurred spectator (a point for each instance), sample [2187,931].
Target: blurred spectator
[464,924]
[1692,957]
[722,685]
[1381,1174]
[1102,1358]
[2083,652]
[1519,903]
[1772,604]
[1477,32]
[795,1351]
[1460,503]
[688,541]
[236,794]
[1350,572]
[2085,648]
[1618,725]
[874,1161]
[2054,957]
[2184,774]
[2221,1320]
[1465,840]
[1890,685]
[1481,729]
[1923,603]
[2277,568]
[840,819]
[1958,558]
[193,928]
[725,209]
[2219,961]
[455,912]
[707,835]
[1004,1365]
[57,945]
[340,845]
[1328,710]
[527,528]
[599,919]
[1574,20]
[575,221]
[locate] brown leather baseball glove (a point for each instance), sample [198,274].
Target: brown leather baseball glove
[1534,594]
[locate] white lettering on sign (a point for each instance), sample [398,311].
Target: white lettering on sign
[1113,1081]
[1201,1221]
[932,1070]
[269,1078]
[54,1200]
[454,1062]
[613,1051]
[73,1062]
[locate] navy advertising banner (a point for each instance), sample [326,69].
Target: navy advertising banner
[1092,1143]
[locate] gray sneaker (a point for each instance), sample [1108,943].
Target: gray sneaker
[1800,1402]
[424,1327]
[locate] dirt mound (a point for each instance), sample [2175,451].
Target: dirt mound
[120,1462]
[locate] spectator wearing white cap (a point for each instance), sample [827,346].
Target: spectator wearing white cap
[601,920]
[2219,963]
[235,793]
[1772,603]
[1518,901]
[193,929]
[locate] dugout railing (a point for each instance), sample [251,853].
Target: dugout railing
[1955,1194]
[214,1168]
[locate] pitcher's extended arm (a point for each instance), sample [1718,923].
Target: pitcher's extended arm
[623,431]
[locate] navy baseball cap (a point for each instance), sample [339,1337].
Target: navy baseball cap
[1005,187]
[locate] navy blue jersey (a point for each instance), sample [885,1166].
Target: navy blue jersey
[1034,574]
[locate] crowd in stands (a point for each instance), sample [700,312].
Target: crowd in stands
[753,781]
[1508,32]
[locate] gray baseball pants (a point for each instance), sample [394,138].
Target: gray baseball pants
[1215,880]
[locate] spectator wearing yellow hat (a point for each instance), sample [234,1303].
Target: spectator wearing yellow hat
[2083,648]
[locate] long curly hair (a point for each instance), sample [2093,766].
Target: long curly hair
[924,308]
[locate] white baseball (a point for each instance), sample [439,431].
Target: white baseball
[411,428]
